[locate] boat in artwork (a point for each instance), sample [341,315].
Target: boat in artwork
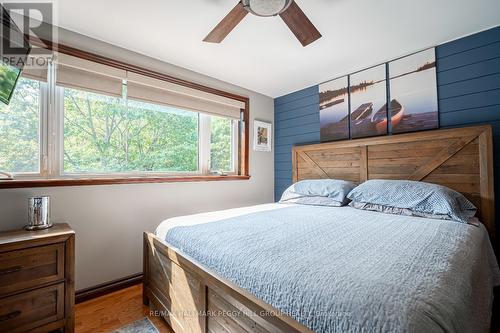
[331,103]
[361,113]
[379,119]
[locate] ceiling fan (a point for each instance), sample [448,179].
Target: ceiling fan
[288,10]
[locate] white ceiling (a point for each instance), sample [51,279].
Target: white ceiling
[261,54]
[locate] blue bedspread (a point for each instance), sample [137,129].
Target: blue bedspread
[342,269]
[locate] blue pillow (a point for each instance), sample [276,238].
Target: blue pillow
[323,192]
[410,197]
[314,201]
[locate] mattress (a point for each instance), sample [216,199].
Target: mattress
[338,269]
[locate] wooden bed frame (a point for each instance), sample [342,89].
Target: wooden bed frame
[191,298]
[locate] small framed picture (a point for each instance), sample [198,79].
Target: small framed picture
[262,136]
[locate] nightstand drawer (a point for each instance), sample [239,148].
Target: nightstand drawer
[23,312]
[31,267]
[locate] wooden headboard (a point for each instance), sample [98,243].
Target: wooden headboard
[461,159]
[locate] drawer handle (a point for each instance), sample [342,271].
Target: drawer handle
[10,270]
[11,315]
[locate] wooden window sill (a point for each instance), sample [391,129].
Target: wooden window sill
[26,183]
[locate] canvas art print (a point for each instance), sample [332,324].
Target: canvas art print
[262,136]
[334,109]
[368,111]
[413,88]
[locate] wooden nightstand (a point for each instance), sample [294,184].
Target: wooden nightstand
[37,292]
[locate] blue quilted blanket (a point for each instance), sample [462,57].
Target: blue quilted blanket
[343,269]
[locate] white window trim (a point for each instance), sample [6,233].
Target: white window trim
[204,144]
[43,157]
[52,143]
[235,142]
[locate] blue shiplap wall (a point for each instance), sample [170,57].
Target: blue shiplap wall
[296,120]
[469,87]
[469,94]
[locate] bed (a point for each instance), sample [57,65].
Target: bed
[296,268]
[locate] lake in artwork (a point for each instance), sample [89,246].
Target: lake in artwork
[413,86]
[368,111]
[334,109]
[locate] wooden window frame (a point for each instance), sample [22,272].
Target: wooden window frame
[243,158]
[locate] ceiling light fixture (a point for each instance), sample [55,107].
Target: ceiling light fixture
[288,10]
[266,8]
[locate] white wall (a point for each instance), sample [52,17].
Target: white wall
[109,220]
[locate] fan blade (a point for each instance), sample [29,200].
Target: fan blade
[300,25]
[227,24]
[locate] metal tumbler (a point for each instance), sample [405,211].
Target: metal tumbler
[38,213]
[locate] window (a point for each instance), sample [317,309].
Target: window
[222,142]
[105,134]
[20,129]
[78,119]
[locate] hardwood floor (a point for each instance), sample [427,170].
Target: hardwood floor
[112,311]
[109,312]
